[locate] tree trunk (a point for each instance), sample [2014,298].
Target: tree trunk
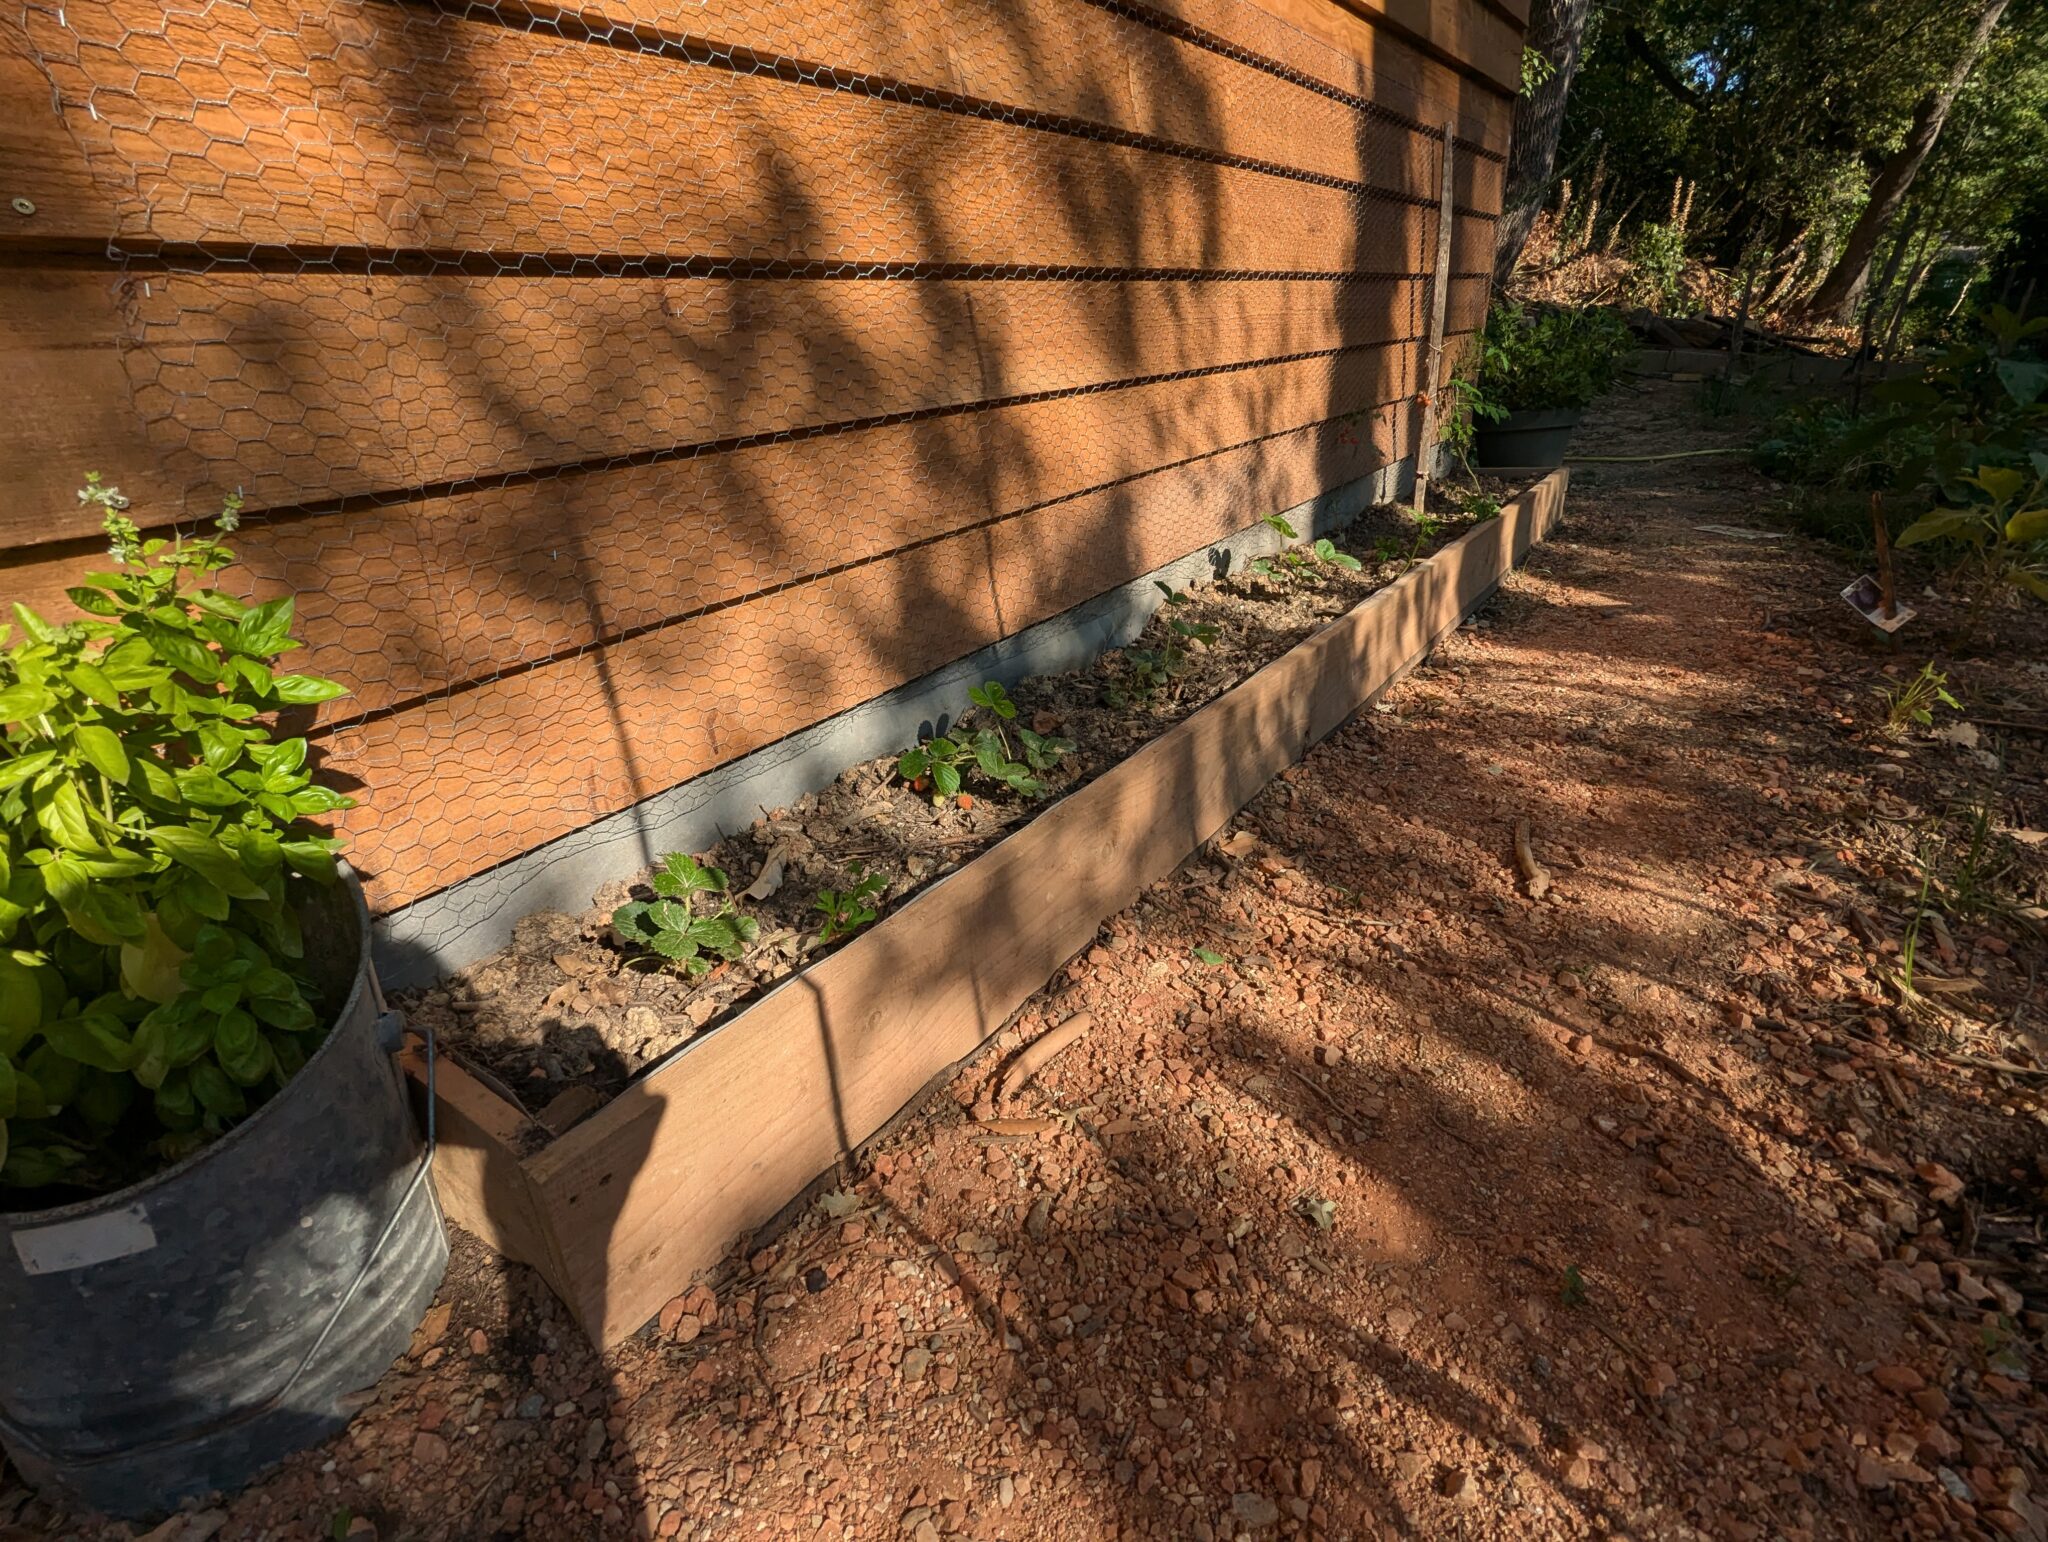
[1842,290]
[1557,30]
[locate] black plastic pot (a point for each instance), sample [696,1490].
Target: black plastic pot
[183,1334]
[1535,440]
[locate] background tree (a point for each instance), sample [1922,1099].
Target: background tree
[1842,291]
[1555,44]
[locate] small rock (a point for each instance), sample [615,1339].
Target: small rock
[1089,1403]
[594,1438]
[429,1450]
[1401,1322]
[916,1363]
[1456,1486]
[1902,1379]
[1410,1465]
[1254,1509]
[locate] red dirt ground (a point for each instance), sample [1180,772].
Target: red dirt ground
[1654,1211]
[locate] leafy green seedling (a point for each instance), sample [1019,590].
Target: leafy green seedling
[1913,703]
[991,695]
[1281,528]
[1044,751]
[1326,551]
[848,910]
[1209,956]
[668,926]
[1573,1292]
[1173,595]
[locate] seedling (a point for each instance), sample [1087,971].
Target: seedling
[1479,506]
[668,926]
[1326,551]
[1573,1292]
[848,910]
[1913,703]
[991,695]
[1209,956]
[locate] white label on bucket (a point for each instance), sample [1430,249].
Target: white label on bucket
[98,1239]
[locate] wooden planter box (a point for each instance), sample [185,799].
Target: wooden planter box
[625,1208]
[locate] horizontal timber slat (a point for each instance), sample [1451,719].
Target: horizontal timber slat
[444,135]
[320,385]
[459,782]
[656,1186]
[1323,42]
[1070,59]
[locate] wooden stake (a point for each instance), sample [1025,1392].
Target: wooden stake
[1439,317]
[1884,554]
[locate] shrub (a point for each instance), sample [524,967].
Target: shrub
[151,992]
[1547,358]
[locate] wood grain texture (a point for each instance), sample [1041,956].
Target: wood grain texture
[655,1187]
[1327,42]
[1462,33]
[479,1176]
[390,127]
[1072,60]
[298,386]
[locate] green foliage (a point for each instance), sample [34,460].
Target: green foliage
[991,697]
[941,764]
[1977,426]
[1537,70]
[1546,357]
[1659,253]
[151,992]
[1326,552]
[848,910]
[1913,703]
[669,929]
[1573,1292]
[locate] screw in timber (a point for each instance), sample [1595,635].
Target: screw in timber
[23,206]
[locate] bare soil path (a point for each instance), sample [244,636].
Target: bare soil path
[1647,1209]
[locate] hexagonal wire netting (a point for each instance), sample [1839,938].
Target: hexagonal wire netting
[622,392]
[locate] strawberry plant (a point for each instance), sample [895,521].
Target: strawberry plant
[151,824]
[941,764]
[848,910]
[669,928]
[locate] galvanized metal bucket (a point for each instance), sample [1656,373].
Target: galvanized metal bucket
[181,1335]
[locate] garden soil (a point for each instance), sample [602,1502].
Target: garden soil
[1378,1197]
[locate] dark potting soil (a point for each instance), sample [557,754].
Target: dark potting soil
[563,1018]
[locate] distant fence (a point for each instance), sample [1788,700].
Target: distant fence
[627,387]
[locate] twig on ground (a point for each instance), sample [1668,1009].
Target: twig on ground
[1535,877]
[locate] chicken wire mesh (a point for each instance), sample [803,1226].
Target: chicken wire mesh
[622,392]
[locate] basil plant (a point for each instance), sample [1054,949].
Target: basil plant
[151,992]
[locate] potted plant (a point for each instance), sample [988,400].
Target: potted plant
[1538,371]
[214,1217]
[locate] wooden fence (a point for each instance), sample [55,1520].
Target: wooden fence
[624,388]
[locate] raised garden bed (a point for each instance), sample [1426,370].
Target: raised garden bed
[702,1143]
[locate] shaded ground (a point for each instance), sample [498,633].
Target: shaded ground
[1657,1208]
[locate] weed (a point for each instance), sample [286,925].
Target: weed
[848,910]
[1913,703]
[1209,956]
[668,926]
[1573,1291]
[1477,505]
